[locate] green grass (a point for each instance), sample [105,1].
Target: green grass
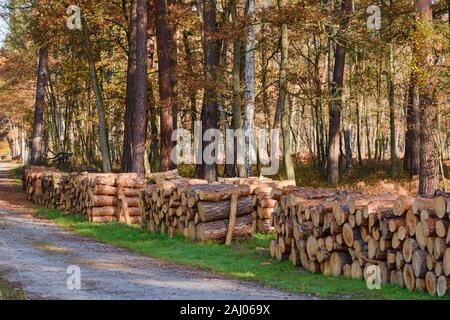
[8,292]
[245,260]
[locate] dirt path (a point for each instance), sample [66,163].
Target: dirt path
[35,255]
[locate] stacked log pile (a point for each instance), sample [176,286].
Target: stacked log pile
[344,234]
[265,193]
[198,210]
[114,198]
[44,186]
[98,197]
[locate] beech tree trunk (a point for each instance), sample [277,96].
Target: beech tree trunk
[165,85]
[38,124]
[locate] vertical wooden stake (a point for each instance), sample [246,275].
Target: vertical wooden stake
[122,203]
[233,212]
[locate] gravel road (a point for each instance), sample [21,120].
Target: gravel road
[35,255]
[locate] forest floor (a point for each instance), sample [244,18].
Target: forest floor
[122,262]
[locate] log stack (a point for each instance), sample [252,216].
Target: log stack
[196,209]
[98,197]
[265,193]
[343,234]
[113,197]
[44,186]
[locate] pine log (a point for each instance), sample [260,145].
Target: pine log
[440,204]
[311,248]
[356,270]
[217,230]
[350,235]
[431,262]
[420,284]
[419,263]
[408,277]
[338,260]
[222,192]
[431,282]
[214,211]
[442,286]
[402,204]
[442,227]
[446,262]
[423,204]
[409,247]
[439,268]
[411,222]
[264,213]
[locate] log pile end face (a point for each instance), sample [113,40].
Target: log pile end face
[344,234]
[97,197]
[199,210]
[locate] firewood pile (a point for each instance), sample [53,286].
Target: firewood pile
[44,186]
[337,233]
[201,211]
[98,197]
[265,193]
[196,209]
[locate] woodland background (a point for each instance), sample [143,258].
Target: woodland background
[353,104]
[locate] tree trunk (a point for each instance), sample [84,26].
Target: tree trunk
[412,135]
[336,104]
[165,85]
[153,154]
[391,98]
[192,93]
[285,114]
[130,94]
[38,124]
[140,120]
[173,61]
[237,104]
[102,130]
[429,165]
[209,109]
[249,89]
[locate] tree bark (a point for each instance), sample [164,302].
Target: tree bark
[336,104]
[192,93]
[391,98]
[429,164]
[285,114]
[412,135]
[102,130]
[249,88]
[209,109]
[165,85]
[237,103]
[173,24]
[130,94]
[38,124]
[140,120]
